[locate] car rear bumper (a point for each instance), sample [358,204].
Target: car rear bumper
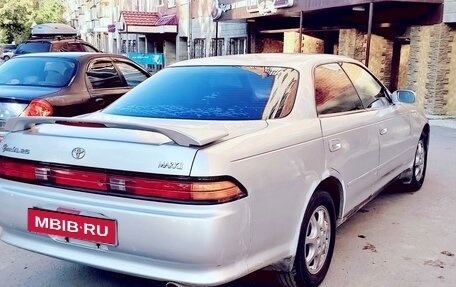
[191,244]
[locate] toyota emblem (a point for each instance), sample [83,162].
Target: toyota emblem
[78,153]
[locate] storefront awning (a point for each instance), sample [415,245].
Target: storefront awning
[147,22]
[389,17]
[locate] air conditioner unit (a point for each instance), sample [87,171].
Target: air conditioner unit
[120,26]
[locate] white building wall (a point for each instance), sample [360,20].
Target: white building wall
[449,12]
[205,28]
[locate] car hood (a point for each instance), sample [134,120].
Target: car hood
[25,93]
[131,144]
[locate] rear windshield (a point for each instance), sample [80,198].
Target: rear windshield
[212,93]
[34,71]
[33,47]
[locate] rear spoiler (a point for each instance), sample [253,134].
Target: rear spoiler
[183,136]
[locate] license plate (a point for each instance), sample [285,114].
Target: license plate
[94,229]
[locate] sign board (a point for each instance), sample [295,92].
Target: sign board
[267,6]
[146,58]
[112,28]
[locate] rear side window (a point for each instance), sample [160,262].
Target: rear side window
[75,47]
[212,93]
[132,75]
[103,75]
[33,47]
[334,93]
[88,48]
[59,47]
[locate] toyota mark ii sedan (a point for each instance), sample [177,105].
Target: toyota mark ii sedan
[213,168]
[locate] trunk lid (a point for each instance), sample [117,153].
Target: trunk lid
[166,147]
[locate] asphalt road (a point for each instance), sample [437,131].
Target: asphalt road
[399,239]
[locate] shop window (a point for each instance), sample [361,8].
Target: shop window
[237,45]
[217,47]
[199,48]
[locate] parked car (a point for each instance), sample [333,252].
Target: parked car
[39,45]
[54,37]
[234,163]
[7,51]
[64,84]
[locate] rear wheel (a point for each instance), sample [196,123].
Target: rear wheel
[419,165]
[6,58]
[316,244]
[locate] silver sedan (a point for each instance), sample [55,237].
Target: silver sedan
[213,168]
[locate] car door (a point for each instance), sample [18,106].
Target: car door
[393,123]
[349,133]
[104,83]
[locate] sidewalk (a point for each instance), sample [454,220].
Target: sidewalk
[443,121]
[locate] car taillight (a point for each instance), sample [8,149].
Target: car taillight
[220,191]
[205,190]
[38,107]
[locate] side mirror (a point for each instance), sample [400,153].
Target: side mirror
[404,96]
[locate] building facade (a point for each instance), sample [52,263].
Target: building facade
[156,33]
[408,44]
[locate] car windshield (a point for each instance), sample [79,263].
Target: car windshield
[34,71]
[210,93]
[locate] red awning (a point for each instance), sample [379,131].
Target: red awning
[148,22]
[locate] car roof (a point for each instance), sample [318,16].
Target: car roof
[267,59]
[54,39]
[69,55]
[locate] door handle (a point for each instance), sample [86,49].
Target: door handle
[383,131]
[334,145]
[100,101]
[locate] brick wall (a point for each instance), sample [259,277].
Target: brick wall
[432,68]
[353,43]
[450,97]
[403,67]
[309,44]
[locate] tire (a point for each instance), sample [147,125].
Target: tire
[6,58]
[419,164]
[318,234]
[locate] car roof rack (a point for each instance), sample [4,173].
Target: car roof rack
[53,30]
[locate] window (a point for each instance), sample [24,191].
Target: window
[237,45]
[132,75]
[334,93]
[161,2]
[171,3]
[212,93]
[33,47]
[88,48]
[199,49]
[75,47]
[217,47]
[103,75]
[59,47]
[38,71]
[372,94]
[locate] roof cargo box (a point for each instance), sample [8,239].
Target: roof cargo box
[53,29]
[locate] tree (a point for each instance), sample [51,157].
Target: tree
[17,16]
[50,11]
